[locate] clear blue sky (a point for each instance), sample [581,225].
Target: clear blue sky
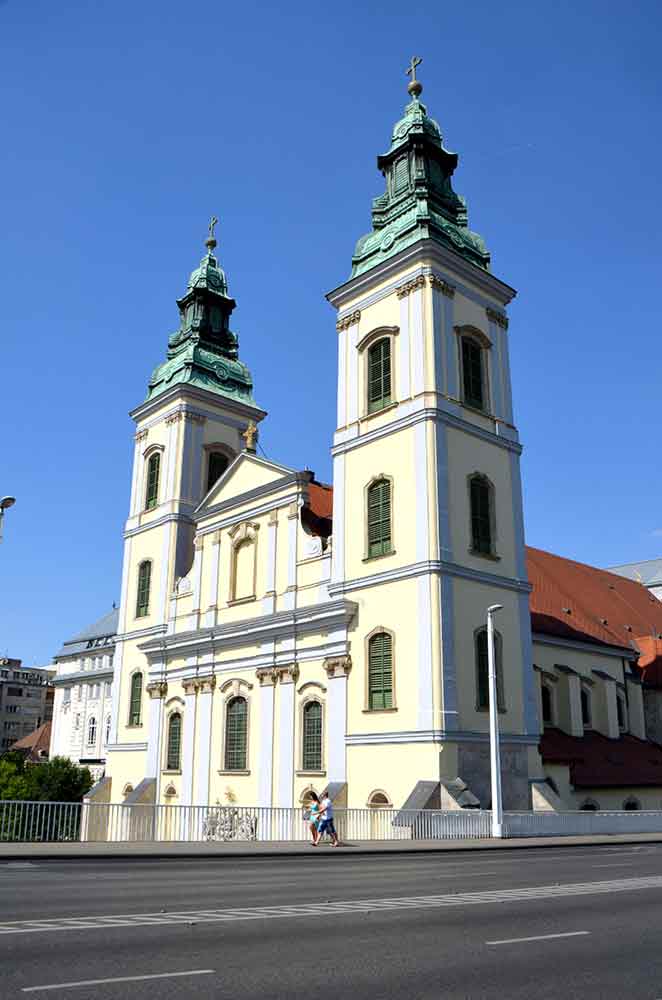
[125,125]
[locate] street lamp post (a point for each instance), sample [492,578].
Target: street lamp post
[5,504]
[495,756]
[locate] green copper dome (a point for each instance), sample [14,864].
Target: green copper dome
[419,201]
[204,352]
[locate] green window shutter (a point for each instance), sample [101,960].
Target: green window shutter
[217,464]
[379,518]
[174,742]
[153,469]
[472,373]
[379,375]
[135,703]
[312,736]
[482,671]
[235,735]
[380,671]
[144,578]
[481,516]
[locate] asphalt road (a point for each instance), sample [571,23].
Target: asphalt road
[538,923]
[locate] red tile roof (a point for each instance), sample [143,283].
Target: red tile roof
[35,743]
[598,762]
[318,513]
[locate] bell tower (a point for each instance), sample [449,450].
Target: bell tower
[189,428]
[427,521]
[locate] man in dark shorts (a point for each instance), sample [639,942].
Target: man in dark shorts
[326,824]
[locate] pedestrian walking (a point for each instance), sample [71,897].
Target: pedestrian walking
[326,820]
[312,817]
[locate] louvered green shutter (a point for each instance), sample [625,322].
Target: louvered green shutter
[472,373]
[235,735]
[380,671]
[174,742]
[482,671]
[481,521]
[312,737]
[379,375]
[379,518]
[153,468]
[136,699]
[142,600]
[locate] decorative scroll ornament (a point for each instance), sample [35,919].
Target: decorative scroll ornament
[349,320]
[410,286]
[338,666]
[442,285]
[497,317]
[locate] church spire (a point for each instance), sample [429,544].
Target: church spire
[419,202]
[204,352]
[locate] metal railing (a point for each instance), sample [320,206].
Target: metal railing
[122,823]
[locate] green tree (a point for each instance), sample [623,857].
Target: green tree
[13,781]
[57,780]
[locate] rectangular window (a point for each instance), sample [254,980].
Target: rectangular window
[379,375]
[380,671]
[472,373]
[312,737]
[152,495]
[379,518]
[481,520]
[142,599]
[15,692]
[235,735]
[66,696]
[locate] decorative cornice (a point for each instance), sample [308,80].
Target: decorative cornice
[288,674]
[206,685]
[194,418]
[191,685]
[267,676]
[174,418]
[141,435]
[347,321]
[497,317]
[157,689]
[442,285]
[338,666]
[410,286]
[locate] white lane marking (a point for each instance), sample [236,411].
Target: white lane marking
[616,864]
[488,896]
[117,979]
[540,937]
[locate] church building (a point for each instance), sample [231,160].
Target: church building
[277,634]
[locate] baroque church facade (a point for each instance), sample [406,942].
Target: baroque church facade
[276,634]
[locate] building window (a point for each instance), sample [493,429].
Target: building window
[631,804]
[66,696]
[173,757]
[217,463]
[77,720]
[380,671]
[379,800]
[108,687]
[92,732]
[589,805]
[236,718]
[107,737]
[379,518]
[312,736]
[135,701]
[622,712]
[482,671]
[379,375]
[473,373]
[547,712]
[481,500]
[586,708]
[142,599]
[153,470]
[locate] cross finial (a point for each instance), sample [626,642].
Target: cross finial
[250,436]
[211,239]
[415,86]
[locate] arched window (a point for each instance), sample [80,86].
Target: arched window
[107,731]
[586,708]
[173,754]
[622,712]
[632,804]
[379,375]
[547,712]
[379,518]
[481,502]
[217,463]
[379,800]
[236,717]
[473,372]
[312,736]
[153,470]
[243,570]
[142,598]
[91,732]
[482,671]
[135,701]
[380,671]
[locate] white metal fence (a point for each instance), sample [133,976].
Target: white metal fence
[120,823]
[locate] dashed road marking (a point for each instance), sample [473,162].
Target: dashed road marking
[540,937]
[117,979]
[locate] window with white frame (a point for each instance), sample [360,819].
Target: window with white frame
[91,732]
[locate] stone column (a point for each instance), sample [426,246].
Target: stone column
[265,765]
[188,740]
[157,691]
[196,580]
[206,687]
[269,600]
[213,579]
[289,600]
[337,668]
[288,677]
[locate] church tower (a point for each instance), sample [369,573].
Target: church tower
[427,519]
[188,429]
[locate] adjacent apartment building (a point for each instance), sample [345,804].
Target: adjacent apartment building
[26,700]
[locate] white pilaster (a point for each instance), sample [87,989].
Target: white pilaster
[403,340]
[418,341]
[289,598]
[171,456]
[188,742]
[197,582]
[496,370]
[136,479]
[352,374]
[157,691]
[213,578]
[267,680]
[203,741]
[449,713]
[450,341]
[286,738]
[338,540]
[337,669]
[342,377]
[269,600]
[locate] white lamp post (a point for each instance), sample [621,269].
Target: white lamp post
[495,757]
[5,504]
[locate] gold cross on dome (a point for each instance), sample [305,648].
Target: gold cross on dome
[212,223]
[250,436]
[411,69]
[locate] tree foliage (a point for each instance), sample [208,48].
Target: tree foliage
[56,780]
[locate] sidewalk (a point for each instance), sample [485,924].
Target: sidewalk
[284,849]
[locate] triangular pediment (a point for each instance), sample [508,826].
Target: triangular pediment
[248,472]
